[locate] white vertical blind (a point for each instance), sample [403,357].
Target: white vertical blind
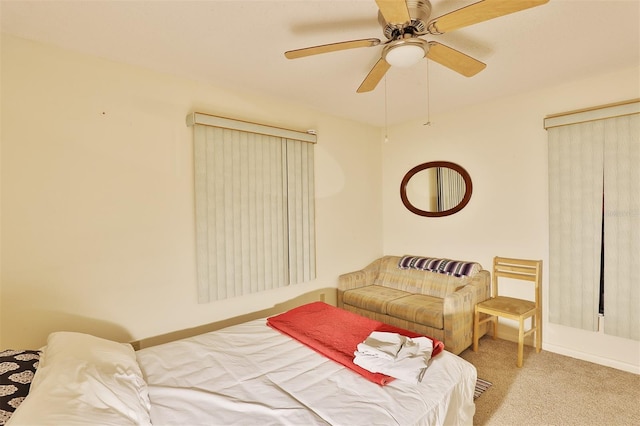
[575,222]
[254,199]
[622,226]
[451,188]
[594,177]
[301,212]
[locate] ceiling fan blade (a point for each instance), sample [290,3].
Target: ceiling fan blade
[333,47]
[375,75]
[394,11]
[479,12]
[454,60]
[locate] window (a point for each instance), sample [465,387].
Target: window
[254,201]
[594,218]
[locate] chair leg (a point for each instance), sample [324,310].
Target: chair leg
[494,324]
[520,343]
[538,332]
[476,329]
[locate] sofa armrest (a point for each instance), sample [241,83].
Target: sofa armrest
[357,279]
[459,308]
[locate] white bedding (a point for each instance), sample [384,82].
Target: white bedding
[250,374]
[85,380]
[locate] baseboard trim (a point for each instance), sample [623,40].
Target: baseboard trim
[508,333]
[618,365]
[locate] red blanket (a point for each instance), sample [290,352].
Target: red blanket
[335,333]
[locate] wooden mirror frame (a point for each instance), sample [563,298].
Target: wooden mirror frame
[423,166]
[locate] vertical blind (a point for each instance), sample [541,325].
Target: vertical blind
[451,188]
[254,201]
[622,226]
[575,224]
[594,185]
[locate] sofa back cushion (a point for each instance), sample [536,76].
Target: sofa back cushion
[420,281]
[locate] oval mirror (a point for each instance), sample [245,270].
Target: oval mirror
[437,188]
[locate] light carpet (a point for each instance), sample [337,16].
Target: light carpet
[551,389]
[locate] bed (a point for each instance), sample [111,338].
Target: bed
[246,374]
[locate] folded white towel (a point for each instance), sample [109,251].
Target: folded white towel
[406,372]
[395,355]
[383,344]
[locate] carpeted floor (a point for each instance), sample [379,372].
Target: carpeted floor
[551,389]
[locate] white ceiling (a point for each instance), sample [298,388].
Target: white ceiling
[240,45]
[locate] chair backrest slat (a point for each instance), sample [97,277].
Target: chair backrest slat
[519,269]
[517,276]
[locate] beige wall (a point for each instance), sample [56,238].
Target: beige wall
[97,196]
[503,146]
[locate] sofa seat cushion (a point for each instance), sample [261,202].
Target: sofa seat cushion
[418,308]
[373,298]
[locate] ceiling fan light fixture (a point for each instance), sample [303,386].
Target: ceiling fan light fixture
[405,54]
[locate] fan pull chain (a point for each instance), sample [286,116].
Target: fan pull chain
[386,122]
[428,123]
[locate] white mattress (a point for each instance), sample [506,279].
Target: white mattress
[250,374]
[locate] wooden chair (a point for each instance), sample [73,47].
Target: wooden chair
[509,307]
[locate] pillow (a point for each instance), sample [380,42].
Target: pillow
[16,372]
[83,380]
[457,268]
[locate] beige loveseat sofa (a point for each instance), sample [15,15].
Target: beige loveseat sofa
[431,296]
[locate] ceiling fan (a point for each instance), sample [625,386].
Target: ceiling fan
[404,21]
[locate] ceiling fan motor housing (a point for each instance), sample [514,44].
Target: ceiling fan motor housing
[419,11]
